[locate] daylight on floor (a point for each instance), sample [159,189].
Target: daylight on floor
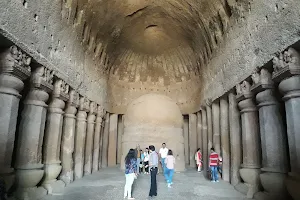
[149,99]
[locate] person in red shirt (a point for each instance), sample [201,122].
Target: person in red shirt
[198,158]
[213,164]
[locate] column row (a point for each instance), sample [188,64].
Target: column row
[58,137]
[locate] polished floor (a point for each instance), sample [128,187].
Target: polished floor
[108,184]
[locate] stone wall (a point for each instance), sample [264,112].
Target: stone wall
[268,27]
[56,37]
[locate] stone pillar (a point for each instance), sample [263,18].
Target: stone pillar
[209,124]
[192,138]
[80,137]
[105,142]
[120,134]
[287,70]
[204,140]
[89,142]
[14,68]
[96,145]
[273,138]
[28,163]
[199,130]
[235,140]
[68,138]
[186,139]
[251,141]
[101,141]
[216,125]
[52,140]
[112,141]
[225,147]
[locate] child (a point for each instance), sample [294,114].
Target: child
[169,168]
[198,158]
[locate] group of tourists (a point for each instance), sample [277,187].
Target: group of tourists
[138,161]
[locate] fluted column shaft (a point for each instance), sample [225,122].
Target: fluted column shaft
[80,137]
[204,140]
[11,83]
[209,127]
[89,142]
[251,146]
[290,87]
[52,141]
[68,139]
[199,130]
[235,139]
[216,126]
[225,146]
[112,141]
[186,139]
[28,161]
[120,134]
[101,142]
[105,142]
[96,145]
[192,138]
[273,143]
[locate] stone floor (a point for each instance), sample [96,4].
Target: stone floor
[108,185]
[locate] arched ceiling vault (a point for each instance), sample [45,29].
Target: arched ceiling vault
[147,32]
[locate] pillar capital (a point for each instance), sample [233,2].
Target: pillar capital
[286,64]
[243,91]
[15,63]
[262,80]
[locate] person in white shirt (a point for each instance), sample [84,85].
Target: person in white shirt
[163,152]
[146,161]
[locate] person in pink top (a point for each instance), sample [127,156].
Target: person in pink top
[169,167]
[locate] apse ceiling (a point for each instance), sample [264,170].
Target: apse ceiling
[143,32]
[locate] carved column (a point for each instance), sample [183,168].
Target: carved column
[192,138]
[105,142]
[112,141]
[235,139]
[120,134]
[209,124]
[204,140]
[80,136]
[101,140]
[251,141]
[216,125]
[97,139]
[273,138]
[52,140]
[88,157]
[287,70]
[225,147]
[68,138]
[186,139]
[14,68]
[28,161]
[199,130]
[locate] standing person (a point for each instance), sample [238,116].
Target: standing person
[198,158]
[213,164]
[153,164]
[146,161]
[169,169]
[130,173]
[141,164]
[163,152]
[138,156]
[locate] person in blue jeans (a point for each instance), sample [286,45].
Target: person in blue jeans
[163,152]
[213,164]
[169,167]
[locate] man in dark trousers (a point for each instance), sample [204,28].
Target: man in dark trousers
[153,164]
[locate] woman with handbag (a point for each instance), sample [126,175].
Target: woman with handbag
[130,172]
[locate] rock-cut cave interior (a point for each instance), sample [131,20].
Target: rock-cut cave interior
[84,81]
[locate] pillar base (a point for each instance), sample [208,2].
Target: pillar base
[293,185]
[242,188]
[273,185]
[56,187]
[34,193]
[251,179]
[67,177]
[9,179]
